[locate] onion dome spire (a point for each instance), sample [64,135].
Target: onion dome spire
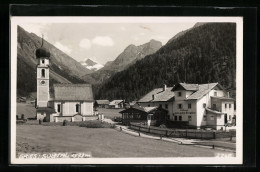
[42,52]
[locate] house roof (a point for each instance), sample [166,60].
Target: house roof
[102,102]
[73,92]
[160,95]
[115,102]
[203,89]
[214,111]
[188,87]
[223,98]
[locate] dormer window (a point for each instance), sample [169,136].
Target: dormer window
[43,73]
[215,94]
[179,94]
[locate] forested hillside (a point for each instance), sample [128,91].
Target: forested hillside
[206,53]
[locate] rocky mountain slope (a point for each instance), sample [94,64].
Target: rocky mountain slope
[129,56]
[205,53]
[63,68]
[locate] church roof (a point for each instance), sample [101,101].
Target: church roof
[73,92]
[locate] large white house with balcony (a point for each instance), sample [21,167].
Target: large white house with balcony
[199,105]
[202,105]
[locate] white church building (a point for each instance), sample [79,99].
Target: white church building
[72,102]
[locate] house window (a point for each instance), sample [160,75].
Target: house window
[229,105]
[214,106]
[43,73]
[215,94]
[180,106]
[77,107]
[175,118]
[58,107]
[204,105]
[42,61]
[179,93]
[189,118]
[148,105]
[180,118]
[204,118]
[189,105]
[166,106]
[225,105]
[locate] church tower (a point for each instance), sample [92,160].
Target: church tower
[43,57]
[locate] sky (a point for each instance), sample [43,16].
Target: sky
[103,42]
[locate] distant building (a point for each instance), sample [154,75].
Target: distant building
[102,103]
[116,104]
[72,102]
[159,97]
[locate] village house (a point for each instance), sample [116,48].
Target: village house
[102,103]
[72,102]
[198,105]
[116,104]
[202,105]
[159,97]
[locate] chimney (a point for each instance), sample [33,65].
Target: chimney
[228,94]
[164,87]
[153,96]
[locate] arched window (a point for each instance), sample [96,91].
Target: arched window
[42,61]
[43,73]
[77,107]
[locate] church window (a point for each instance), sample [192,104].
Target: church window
[77,107]
[43,73]
[58,107]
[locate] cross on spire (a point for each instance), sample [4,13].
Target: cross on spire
[42,39]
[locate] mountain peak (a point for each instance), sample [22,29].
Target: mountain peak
[91,65]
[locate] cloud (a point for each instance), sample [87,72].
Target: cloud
[85,43]
[103,41]
[63,48]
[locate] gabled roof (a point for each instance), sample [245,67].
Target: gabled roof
[115,102]
[188,87]
[143,109]
[159,95]
[102,102]
[73,92]
[203,89]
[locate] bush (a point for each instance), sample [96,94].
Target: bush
[22,116]
[95,124]
[65,122]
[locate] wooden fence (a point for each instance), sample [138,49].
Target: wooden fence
[182,133]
